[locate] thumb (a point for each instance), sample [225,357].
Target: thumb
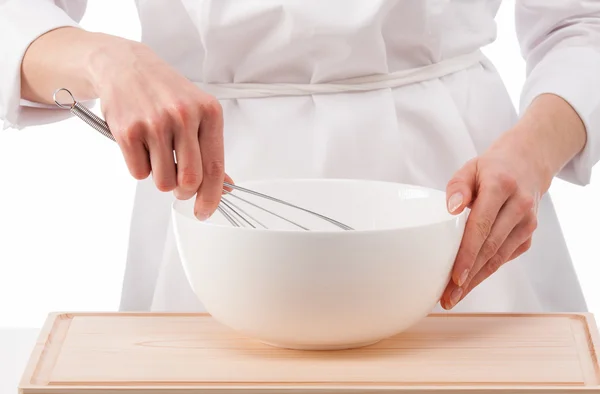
[461,188]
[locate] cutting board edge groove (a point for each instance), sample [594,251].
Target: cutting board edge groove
[592,341]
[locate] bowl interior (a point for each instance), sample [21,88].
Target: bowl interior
[361,204]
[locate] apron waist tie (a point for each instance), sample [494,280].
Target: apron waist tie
[225,91]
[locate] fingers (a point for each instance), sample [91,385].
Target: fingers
[491,197]
[189,160]
[181,145]
[147,147]
[518,242]
[160,145]
[459,191]
[510,215]
[213,167]
[230,181]
[521,249]
[134,151]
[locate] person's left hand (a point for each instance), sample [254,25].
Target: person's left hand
[502,187]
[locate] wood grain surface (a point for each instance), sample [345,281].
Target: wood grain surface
[134,353]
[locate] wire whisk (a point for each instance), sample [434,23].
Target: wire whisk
[234,214]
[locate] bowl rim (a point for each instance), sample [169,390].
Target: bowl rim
[249,183]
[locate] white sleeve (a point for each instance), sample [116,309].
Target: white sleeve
[560,42]
[21,23]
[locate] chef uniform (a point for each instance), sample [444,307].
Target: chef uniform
[392,90]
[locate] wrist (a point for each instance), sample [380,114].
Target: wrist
[104,57]
[519,147]
[548,135]
[56,59]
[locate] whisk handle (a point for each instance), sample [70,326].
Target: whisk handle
[84,114]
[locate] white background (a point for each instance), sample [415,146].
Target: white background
[66,197]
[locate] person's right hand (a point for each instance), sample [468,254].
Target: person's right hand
[152,111]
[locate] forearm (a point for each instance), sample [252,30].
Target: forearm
[62,58]
[550,134]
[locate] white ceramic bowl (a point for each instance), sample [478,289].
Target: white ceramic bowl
[329,288]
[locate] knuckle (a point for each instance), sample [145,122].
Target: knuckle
[184,113]
[165,184]
[139,173]
[526,202]
[183,108]
[189,177]
[214,169]
[158,126]
[210,202]
[490,247]
[532,224]
[156,121]
[494,264]
[183,194]
[132,133]
[526,245]
[483,226]
[506,182]
[211,108]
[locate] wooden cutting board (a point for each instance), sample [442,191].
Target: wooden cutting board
[135,353]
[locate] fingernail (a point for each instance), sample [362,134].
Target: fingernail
[463,277]
[455,202]
[202,215]
[455,296]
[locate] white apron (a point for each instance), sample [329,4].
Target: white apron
[313,109]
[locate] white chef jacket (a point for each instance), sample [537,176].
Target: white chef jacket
[416,117]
